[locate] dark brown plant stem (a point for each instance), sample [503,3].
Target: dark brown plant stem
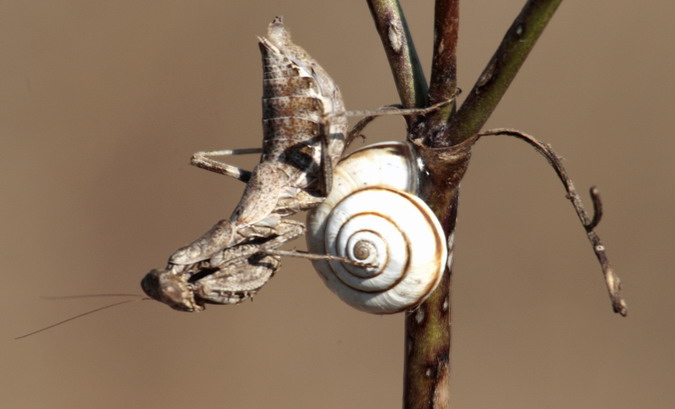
[428,329]
[403,60]
[443,84]
[443,142]
[427,333]
[502,68]
[426,381]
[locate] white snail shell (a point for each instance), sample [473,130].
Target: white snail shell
[372,215]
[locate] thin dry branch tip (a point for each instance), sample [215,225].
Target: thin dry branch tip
[611,279]
[597,208]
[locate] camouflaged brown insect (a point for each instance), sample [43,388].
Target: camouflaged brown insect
[303,139]
[304,129]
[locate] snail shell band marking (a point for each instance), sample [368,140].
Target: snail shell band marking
[372,215]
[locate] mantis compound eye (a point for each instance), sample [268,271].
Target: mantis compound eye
[171,289]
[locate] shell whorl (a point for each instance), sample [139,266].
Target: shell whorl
[372,215]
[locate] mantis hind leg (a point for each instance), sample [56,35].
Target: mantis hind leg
[325,179]
[205,160]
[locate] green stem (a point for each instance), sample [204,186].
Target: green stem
[502,68]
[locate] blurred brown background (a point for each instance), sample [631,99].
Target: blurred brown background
[102,104]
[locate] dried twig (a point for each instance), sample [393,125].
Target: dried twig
[403,60]
[611,279]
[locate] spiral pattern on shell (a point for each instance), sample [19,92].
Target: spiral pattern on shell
[373,216]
